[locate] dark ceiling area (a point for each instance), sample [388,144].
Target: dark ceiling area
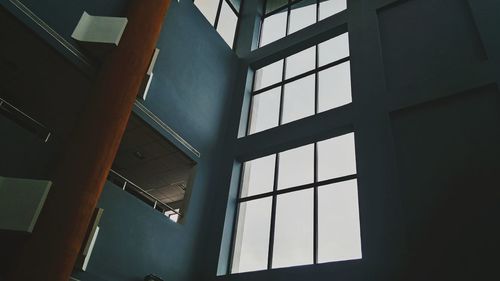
[153,163]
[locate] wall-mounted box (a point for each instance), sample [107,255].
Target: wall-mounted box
[143,91]
[21,201]
[99,35]
[97,29]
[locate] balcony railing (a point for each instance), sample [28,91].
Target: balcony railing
[142,194]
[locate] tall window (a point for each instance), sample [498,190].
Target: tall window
[223,15]
[283,17]
[298,207]
[314,80]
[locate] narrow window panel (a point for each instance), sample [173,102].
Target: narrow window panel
[301,62]
[296,167]
[227,23]
[334,49]
[208,8]
[339,235]
[293,238]
[334,87]
[265,111]
[273,28]
[272,5]
[258,176]
[302,15]
[298,99]
[268,75]
[329,8]
[336,157]
[252,236]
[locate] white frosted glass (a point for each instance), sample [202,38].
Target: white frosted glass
[293,237]
[227,24]
[301,62]
[336,157]
[265,110]
[208,8]
[273,28]
[296,167]
[329,8]
[252,236]
[298,99]
[334,49]
[302,15]
[258,176]
[334,87]
[268,75]
[339,235]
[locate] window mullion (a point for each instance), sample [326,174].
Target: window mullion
[282,94]
[235,223]
[217,15]
[289,9]
[273,214]
[249,116]
[315,206]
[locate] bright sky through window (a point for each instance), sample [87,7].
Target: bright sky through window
[308,82]
[277,210]
[223,15]
[286,17]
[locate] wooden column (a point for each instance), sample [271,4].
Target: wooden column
[51,252]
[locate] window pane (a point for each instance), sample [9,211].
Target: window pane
[339,235]
[334,87]
[336,157]
[268,75]
[252,236]
[265,110]
[331,7]
[258,176]
[301,62]
[208,8]
[302,15]
[334,49]
[293,238]
[272,5]
[298,99]
[227,23]
[273,28]
[296,166]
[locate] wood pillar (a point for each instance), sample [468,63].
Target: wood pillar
[51,251]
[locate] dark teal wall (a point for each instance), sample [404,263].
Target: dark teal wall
[134,240]
[193,78]
[24,154]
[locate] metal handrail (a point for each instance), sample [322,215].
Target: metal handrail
[9,107]
[167,128]
[156,200]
